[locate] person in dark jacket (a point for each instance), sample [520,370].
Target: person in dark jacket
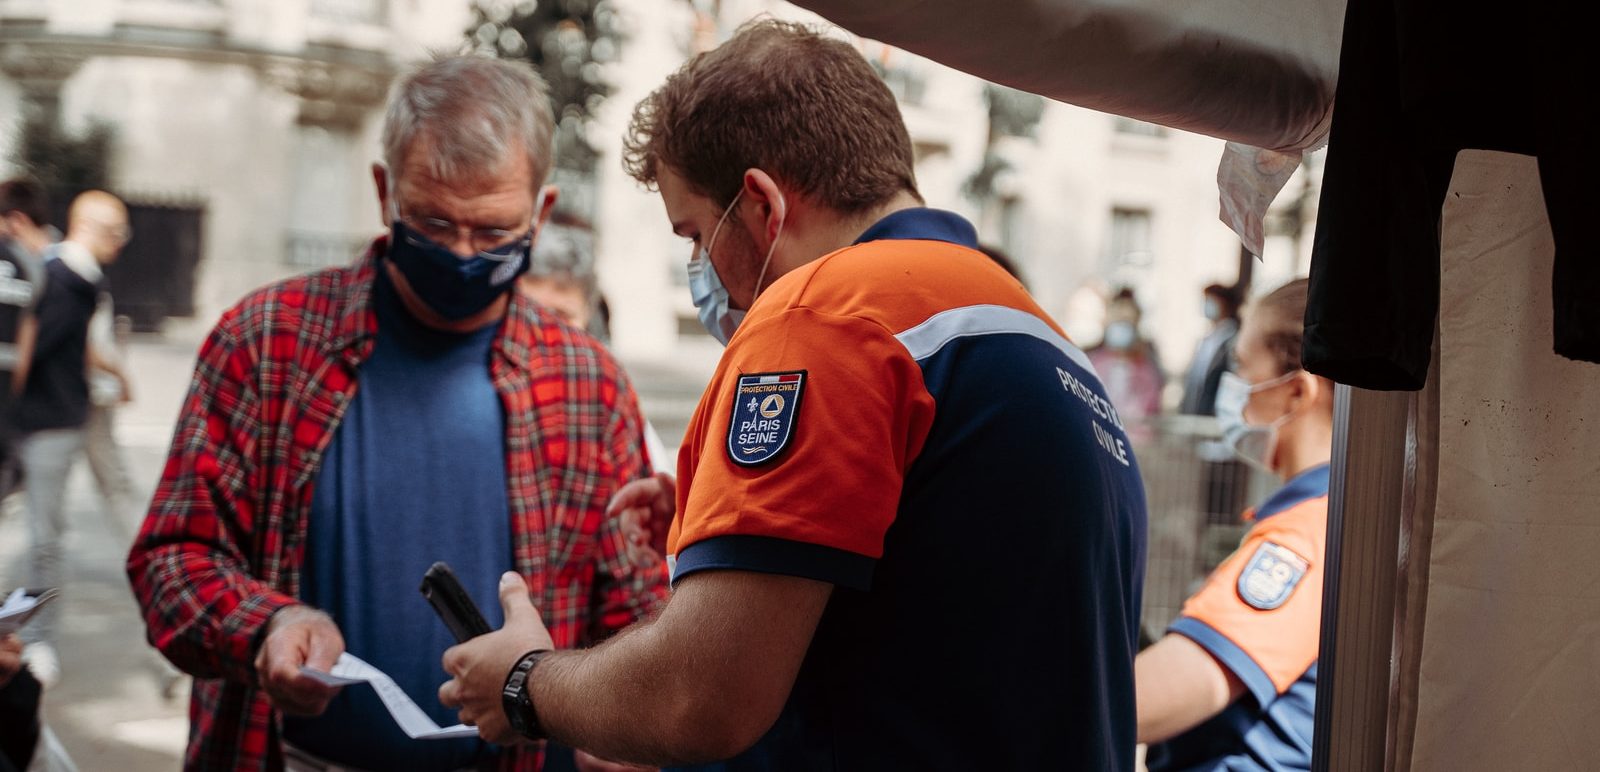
[19,708]
[54,404]
[23,240]
[1211,356]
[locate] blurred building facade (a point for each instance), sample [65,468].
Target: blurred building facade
[1083,201]
[263,113]
[266,114]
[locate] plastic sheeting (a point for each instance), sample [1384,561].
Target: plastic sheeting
[1256,72]
[1259,74]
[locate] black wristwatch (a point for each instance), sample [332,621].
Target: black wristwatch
[517,697]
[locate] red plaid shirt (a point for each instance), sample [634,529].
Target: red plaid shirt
[222,546]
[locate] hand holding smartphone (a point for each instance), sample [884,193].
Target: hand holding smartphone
[451,601]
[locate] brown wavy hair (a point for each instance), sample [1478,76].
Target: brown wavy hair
[780,97]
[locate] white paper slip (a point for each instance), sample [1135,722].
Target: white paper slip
[350,669]
[20,607]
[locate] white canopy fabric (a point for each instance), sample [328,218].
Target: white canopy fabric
[1505,671]
[1258,74]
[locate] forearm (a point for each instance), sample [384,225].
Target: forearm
[205,615]
[623,700]
[1178,686]
[203,604]
[702,682]
[100,360]
[27,337]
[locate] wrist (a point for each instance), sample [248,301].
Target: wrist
[290,614]
[517,696]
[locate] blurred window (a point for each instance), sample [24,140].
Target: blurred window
[1130,239]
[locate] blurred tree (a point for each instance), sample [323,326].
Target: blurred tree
[1012,113]
[65,165]
[569,41]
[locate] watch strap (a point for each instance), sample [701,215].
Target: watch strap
[517,697]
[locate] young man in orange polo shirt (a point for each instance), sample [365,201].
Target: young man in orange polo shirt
[908,530]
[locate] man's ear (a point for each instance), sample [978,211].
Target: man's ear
[380,178]
[545,200]
[770,208]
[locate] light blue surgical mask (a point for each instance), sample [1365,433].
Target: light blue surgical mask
[1253,444]
[1121,336]
[710,295]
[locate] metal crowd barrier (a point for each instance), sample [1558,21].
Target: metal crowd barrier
[1197,494]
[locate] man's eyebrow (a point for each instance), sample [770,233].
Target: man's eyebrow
[429,212]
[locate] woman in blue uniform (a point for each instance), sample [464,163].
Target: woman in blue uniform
[1232,685]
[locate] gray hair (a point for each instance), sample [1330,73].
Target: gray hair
[566,253]
[476,110]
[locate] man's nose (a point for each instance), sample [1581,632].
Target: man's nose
[461,245]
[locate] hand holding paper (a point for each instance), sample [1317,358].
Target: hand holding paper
[350,669]
[10,659]
[21,607]
[298,637]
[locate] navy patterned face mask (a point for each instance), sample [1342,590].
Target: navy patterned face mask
[456,287]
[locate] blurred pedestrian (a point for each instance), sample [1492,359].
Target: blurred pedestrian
[1233,684]
[54,406]
[1212,355]
[908,530]
[348,428]
[1224,479]
[1129,366]
[19,708]
[562,277]
[23,241]
[25,225]
[109,387]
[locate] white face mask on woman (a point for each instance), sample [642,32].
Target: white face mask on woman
[1253,444]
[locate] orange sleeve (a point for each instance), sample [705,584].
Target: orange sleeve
[804,443]
[1260,612]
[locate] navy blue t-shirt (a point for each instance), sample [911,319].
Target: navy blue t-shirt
[416,473]
[901,420]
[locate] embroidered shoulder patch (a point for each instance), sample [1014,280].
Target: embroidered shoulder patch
[1271,576]
[765,409]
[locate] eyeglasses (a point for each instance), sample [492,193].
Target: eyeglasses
[121,234]
[487,242]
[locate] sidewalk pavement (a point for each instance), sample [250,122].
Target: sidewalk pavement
[109,711]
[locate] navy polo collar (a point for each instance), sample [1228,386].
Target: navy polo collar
[1310,484]
[925,224]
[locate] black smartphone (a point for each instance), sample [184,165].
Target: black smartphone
[445,593]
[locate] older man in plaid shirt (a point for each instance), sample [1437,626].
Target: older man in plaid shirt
[348,427]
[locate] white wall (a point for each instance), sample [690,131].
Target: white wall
[220,130]
[634,243]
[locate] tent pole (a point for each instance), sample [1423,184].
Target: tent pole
[1366,501]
